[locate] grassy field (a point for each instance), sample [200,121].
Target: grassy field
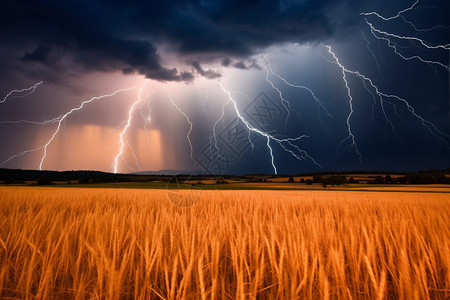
[63,243]
[278,185]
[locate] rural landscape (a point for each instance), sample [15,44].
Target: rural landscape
[225,150]
[100,241]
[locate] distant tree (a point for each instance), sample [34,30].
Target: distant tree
[44,181]
[338,180]
[334,180]
[317,179]
[442,179]
[402,180]
[84,181]
[388,179]
[378,180]
[426,178]
[8,181]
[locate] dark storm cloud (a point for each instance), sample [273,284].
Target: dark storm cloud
[100,35]
[226,62]
[210,74]
[241,64]
[251,64]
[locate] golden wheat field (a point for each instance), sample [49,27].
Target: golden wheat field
[61,243]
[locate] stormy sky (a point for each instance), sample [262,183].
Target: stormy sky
[182,57]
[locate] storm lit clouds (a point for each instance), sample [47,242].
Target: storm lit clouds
[81,50]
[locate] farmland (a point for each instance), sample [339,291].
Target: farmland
[223,244]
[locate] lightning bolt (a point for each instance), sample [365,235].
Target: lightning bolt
[286,104]
[64,116]
[20,154]
[409,38]
[429,126]
[123,138]
[387,120]
[21,92]
[188,136]
[391,44]
[52,121]
[302,155]
[319,104]
[215,125]
[59,121]
[400,15]
[392,38]
[214,134]
[147,119]
[371,52]
[350,136]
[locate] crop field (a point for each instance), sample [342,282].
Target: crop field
[69,243]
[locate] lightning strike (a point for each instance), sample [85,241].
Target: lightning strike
[113,131]
[216,123]
[188,136]
[214,134]
[350,136]
[372,53]
[269,138]
[319,103]
[286,104]
[387,120]
[20,154]
[27,91]
[124,138]
[147,120]
[391,44]
[63,118]
[59,121]
[398,15]
[392,38]
[52,121]
[429,126]
[134,154]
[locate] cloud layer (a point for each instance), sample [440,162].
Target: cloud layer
[49,36]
